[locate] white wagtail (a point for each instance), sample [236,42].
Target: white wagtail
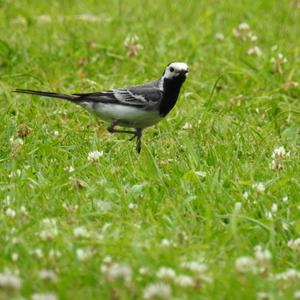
[135,107]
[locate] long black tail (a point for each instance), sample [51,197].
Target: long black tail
[71,98]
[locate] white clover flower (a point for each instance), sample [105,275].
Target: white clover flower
[81,232]
[23,210]
[275,165]
[83,254]
[285,199]
[137,225]
[263,296]
[16,142]
[269,215]
[47,275]
[166,273]
[291,275]
[278,61]
[263,258]
[157,291]
[99,237]
[278,155]
[71,169]
[10,281]
[48,222]
[10,212]
[200,271]
[53,253]
[294,244]
[274,208]
[56,133]
[107,259]
[187,126]
[274,48]
[297,294]
[59,112]
[237,207]
[104,206]
[132,44]
[195,267]
[282,58]
[14,271]
[201,174]
[244,26]
[279,152]
[255,51]
[184,281]
[242,31]
[118,271]
[44,296]
[44,19]
[219,36]
[89,18]
[48,229]
[259,187]
[95,155]
[285,226]
[15,241]
[131,39]
[103,269]
[132,206]
[245,264]
[69,207]
[246,195]
[261,254]
[37,252]
[166,243]
[253,38]
[143,271]
[14,256]
[7,200]
[19,20]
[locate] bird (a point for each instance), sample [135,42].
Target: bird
[136,107]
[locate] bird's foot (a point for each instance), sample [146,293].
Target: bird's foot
[138,145]
[138,136]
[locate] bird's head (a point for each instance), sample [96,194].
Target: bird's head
[176,70]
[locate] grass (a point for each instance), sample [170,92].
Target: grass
[188,185]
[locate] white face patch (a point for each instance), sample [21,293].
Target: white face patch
[175,69]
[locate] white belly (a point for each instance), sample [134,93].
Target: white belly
[127,116]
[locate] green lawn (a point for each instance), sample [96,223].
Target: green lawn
[212,197]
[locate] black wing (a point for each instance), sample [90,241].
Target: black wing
[142,96]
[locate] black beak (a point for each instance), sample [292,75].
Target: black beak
[184,72]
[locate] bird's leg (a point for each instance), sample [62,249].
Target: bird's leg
[138,139]
[136,134]
[111,128]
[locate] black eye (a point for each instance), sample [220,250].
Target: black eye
[171,69]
